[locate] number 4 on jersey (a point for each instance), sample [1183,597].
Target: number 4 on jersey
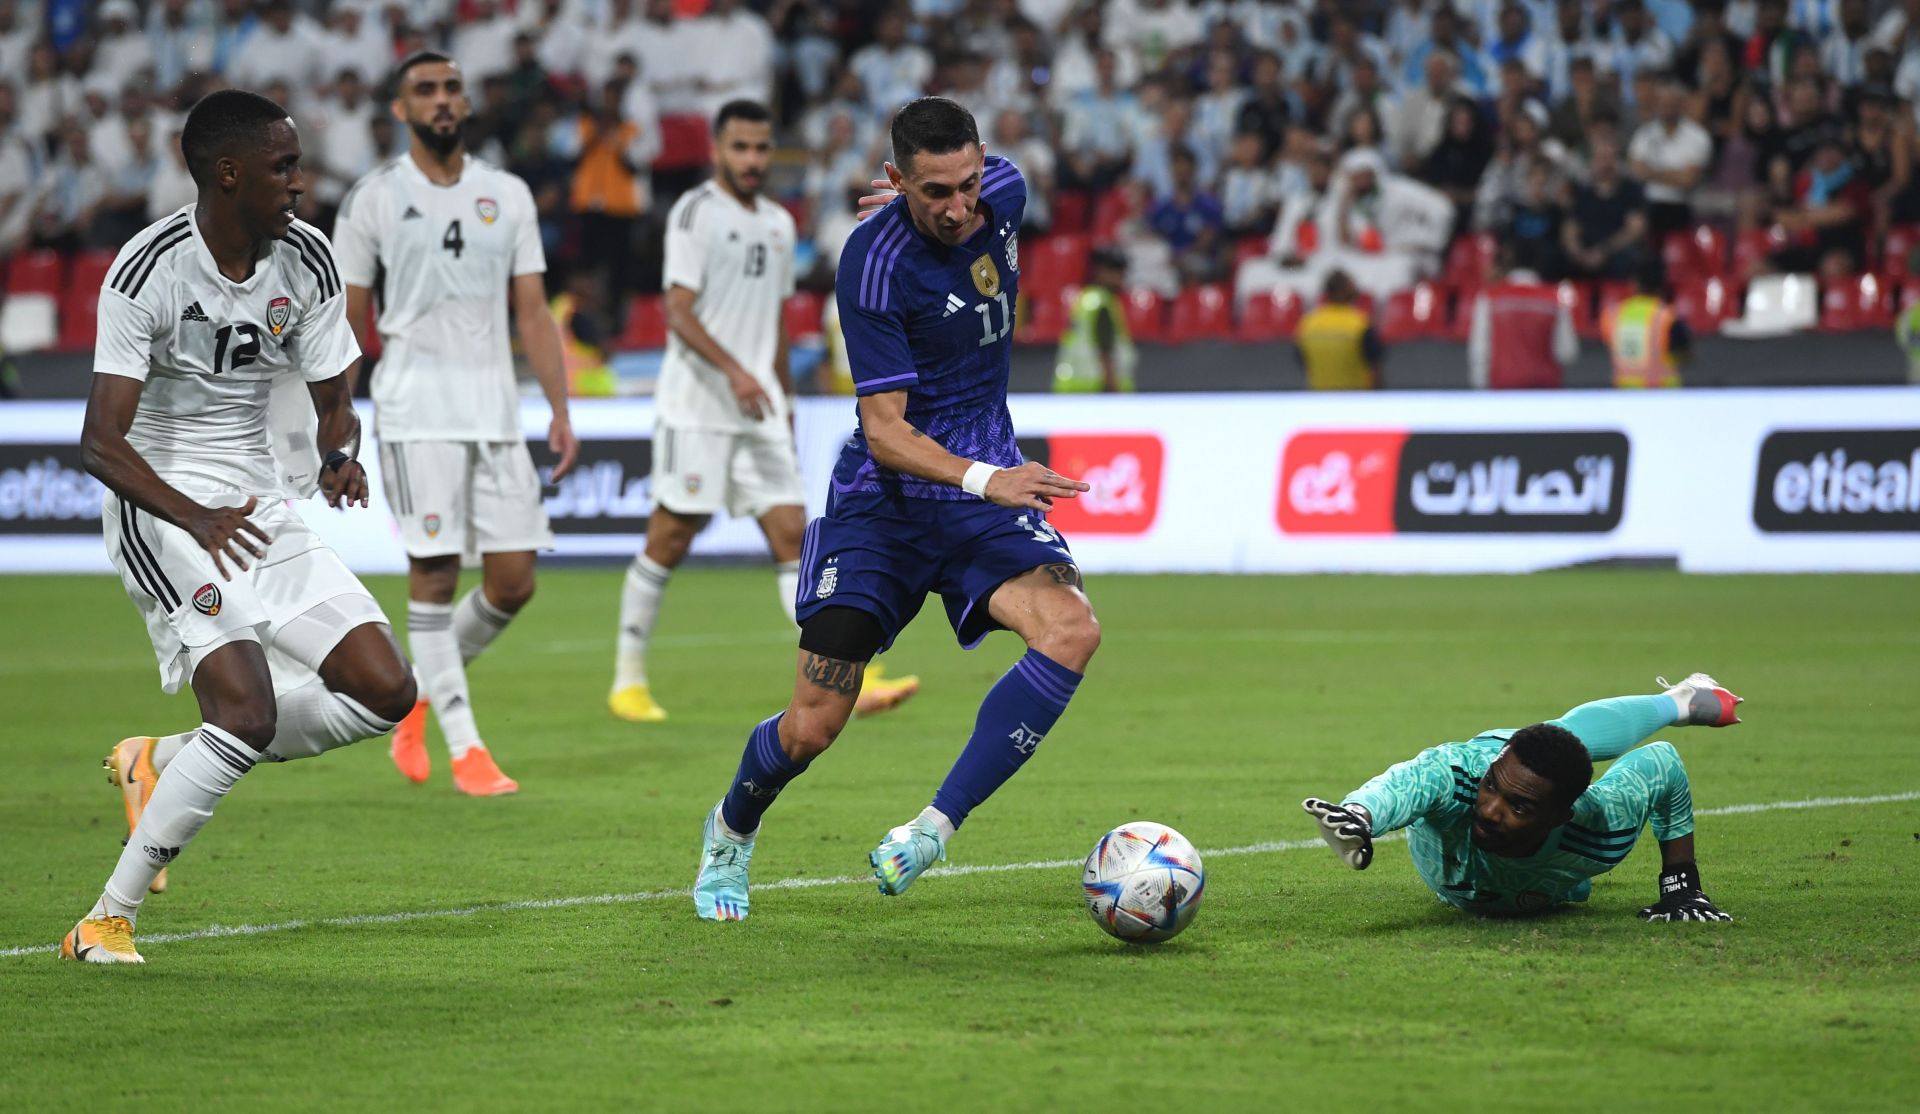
[453,241]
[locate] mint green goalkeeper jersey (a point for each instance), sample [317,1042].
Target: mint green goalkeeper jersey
[1432,795]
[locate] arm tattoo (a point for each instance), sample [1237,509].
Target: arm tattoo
[832,674]
[1068,575]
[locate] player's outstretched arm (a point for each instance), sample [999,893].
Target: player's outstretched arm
[1681,898]
[343,480]
[225,532]
[897,445]
[1348,830]
[541,337]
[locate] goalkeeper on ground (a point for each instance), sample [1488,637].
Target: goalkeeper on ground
[1512,821]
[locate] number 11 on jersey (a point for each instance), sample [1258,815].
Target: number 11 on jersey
[988,335]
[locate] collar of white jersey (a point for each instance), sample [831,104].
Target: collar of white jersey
[203,255]
[412,170]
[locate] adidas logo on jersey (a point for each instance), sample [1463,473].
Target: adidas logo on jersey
[411,214]
[194,313]
[954,304]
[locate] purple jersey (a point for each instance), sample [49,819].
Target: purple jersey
[936,322]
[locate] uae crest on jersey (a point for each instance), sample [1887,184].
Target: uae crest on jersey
[986,277]
[207,600]
[488,208]
[278,311]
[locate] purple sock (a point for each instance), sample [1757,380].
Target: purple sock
[765,769]
[1019,710]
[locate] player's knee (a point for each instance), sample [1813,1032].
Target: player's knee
[807,733]
[388,693]
[511,594]
[1071,639]
[252,722]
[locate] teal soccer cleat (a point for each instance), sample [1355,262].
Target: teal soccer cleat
[905,854]
[720,891]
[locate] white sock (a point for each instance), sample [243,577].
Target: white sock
[167,746]
[182,802]
[476,623]
[436,653]
[786,575]
[940,821]
[314,719]
[639,607]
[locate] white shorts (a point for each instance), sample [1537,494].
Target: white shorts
[191,611]
[464,498]
[701,471]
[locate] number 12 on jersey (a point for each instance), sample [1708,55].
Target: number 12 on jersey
[246,353]
[988,335]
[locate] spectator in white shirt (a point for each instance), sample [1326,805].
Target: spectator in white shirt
[1034,156]
[1152,30]
[1097,135]
[77,185]
[483,42]
[285,46]
[1637,44]
[19,177]
[1670,153]
[892,70]
[178,42]
[16,39]
[354,40]
[345,151]
[120,51]
[1421,118]
[48,97]
[1844,53]
[736,53]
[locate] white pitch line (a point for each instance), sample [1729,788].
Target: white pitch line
[215,932]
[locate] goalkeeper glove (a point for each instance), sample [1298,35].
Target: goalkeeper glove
[1681,898]
[1348,831]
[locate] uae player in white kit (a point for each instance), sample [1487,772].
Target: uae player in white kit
[723,436]
[287,654]
[449,241]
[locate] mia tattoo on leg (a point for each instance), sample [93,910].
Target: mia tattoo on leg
[832,674]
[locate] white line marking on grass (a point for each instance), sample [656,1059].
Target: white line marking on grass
[218,931]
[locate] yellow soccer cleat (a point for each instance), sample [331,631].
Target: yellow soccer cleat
[130,766]
[101,940]
[634,703]
[881,693]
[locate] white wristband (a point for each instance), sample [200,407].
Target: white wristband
[975,480]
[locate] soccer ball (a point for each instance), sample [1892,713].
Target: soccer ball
[1143,882]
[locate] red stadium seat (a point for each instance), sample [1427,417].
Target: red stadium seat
[1202,313]
[80,300]
[1752,247]
[1695,254]
[646,323]
[1048,263]
[1896,255]
[1112,208]
[36,272]
[1248,247]
[683,143]
[1072,211]
[800,209]
[1146,314]
[1855,303]
[1413,314]
[1704,306]
[803,315]
[1269,316]
[1043,315]
[1469,260]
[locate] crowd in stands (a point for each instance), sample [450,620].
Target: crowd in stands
[1245,149]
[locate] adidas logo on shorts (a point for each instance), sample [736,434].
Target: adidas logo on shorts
[194,313]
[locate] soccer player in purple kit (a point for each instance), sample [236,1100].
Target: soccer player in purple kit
[930,495]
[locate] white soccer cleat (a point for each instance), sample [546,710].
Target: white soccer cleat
[1707,703]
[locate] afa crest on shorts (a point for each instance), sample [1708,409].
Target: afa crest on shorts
[488,208]
[278,312]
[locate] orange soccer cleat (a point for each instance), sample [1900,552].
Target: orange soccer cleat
[409,745]
[130,766]
[101,940]
[475,774]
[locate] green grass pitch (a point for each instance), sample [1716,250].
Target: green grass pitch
[1215,705]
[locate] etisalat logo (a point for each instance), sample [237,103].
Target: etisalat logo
[1391,481]
[1822,481]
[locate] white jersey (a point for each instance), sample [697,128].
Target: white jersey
[440,259]
[209,348]
[739,264]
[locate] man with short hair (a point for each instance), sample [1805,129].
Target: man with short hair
[287,654]
[452,241]
[723,435]
[930,495]
[1670,154]
[1513,823]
